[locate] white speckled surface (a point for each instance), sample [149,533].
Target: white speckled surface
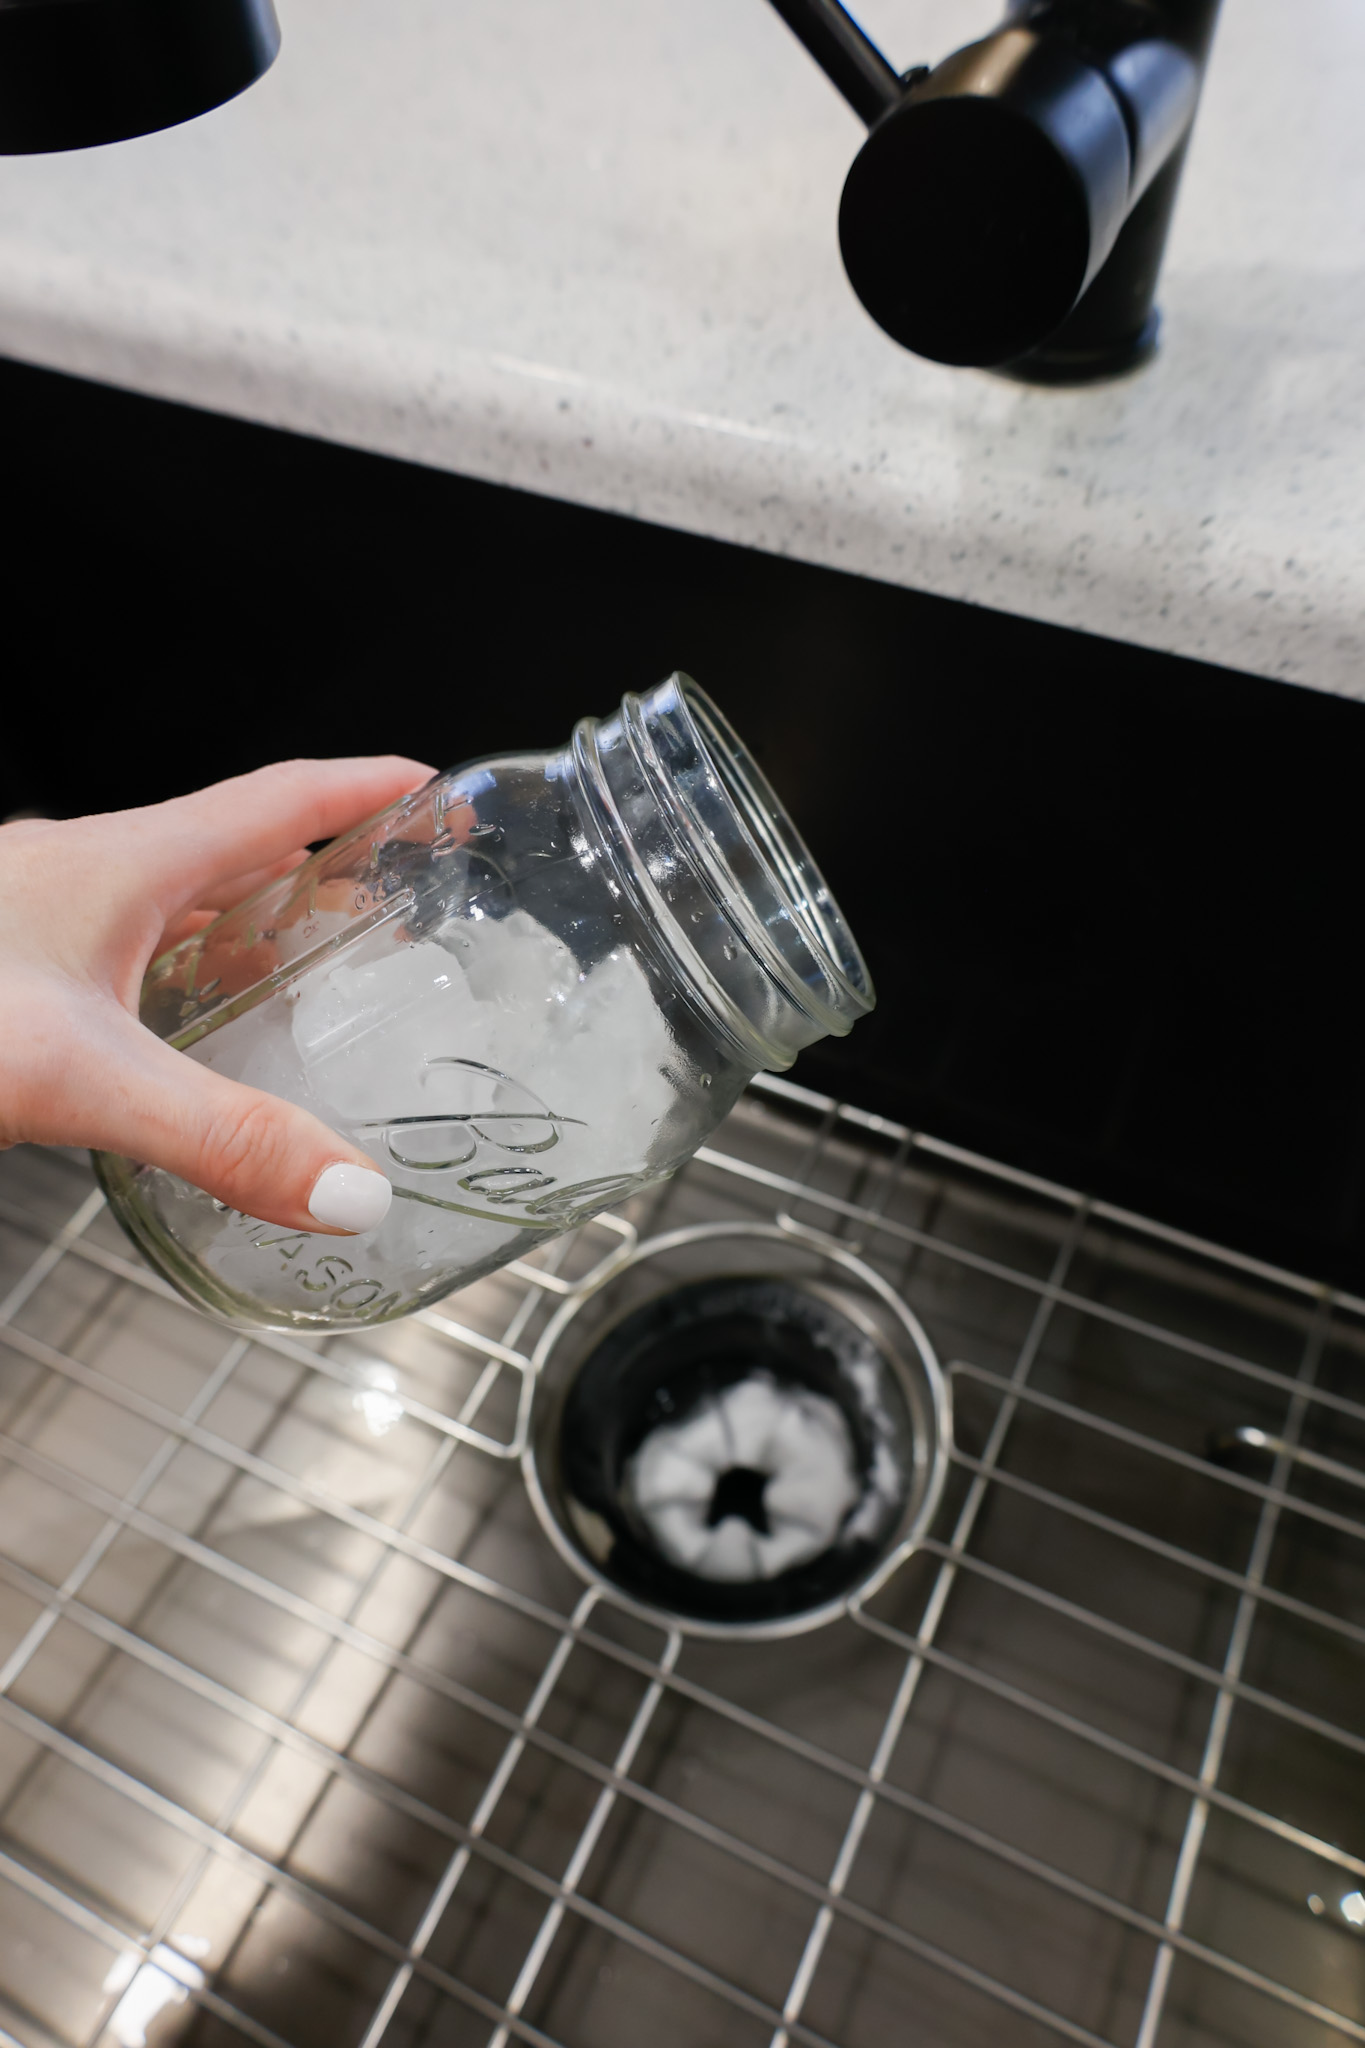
[591,250]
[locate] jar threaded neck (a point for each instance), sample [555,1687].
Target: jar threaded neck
[703,845]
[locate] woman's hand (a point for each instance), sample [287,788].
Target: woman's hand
[86,904]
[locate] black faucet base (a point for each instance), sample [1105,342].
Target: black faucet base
[1053,362]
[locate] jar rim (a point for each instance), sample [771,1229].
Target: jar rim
[776,842]
[719,870]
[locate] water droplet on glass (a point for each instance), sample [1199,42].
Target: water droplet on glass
[729,951]
[670,895]
[696,917]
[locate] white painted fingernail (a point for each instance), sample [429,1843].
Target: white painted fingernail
[350,1197]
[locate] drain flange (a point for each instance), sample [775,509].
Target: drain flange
[736,1452]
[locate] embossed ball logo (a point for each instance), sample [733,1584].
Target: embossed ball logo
[486,1148]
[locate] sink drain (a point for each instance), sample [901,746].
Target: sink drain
[737,1451]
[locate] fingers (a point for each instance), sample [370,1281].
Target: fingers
[235,889]
[184,927]
[258,1154]
[226,896]
[200,843]
[124,1091]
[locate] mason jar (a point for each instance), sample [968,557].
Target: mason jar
[527,991]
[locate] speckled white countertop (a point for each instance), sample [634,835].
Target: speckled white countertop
[590,250]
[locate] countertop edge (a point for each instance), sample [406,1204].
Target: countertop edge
[507,420]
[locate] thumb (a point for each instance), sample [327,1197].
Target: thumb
[253,1151]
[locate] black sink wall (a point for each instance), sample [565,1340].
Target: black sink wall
[1108,897]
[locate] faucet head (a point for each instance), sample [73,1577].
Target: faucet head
[78,72]
[986,199]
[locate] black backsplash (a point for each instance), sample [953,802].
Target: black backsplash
[1108,897]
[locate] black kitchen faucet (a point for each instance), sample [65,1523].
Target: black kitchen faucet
[1008,209]
[1010,206]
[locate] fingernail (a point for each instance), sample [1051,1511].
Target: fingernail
[350,1197]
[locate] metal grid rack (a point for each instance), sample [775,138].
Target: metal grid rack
[306,1735]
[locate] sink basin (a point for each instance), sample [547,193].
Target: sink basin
[309,1734]
[1108,896]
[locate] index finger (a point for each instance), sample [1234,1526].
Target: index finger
[254,821]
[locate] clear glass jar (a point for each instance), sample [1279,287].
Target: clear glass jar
[527,991]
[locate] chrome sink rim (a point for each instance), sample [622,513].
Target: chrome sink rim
[913,1356]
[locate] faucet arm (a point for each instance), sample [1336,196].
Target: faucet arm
[849,59]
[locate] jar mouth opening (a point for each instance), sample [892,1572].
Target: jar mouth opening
[776,843]
[720,873]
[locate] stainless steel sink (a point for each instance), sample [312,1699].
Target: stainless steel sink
[309,1736]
